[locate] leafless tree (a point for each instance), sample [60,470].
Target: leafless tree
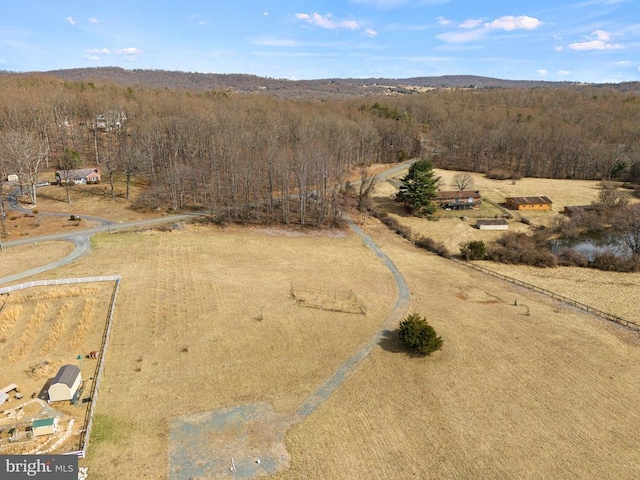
[462,181]
[367,184]
[25,151]
[610,198]
[626,221]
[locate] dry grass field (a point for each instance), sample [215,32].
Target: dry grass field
[43,328]
[205,321]
[549,395]
[188,338]
[17,259]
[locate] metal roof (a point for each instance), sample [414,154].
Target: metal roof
[43,422]
[67,375]
[492,221]
[530,200]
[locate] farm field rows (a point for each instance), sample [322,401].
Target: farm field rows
[43,328]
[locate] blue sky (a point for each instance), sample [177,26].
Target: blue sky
[580,40]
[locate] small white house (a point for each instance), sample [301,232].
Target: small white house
[65,384]
[492,224]
[45,426]
[12,178]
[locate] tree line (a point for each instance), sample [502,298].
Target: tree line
[262,158]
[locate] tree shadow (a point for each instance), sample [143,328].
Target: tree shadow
[390,341]
[391,206]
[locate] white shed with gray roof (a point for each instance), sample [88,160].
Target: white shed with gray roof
[65,384]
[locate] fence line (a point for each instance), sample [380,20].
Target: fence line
[582,306]
[88,423]
[61,281]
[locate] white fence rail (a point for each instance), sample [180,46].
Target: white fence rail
[61,281]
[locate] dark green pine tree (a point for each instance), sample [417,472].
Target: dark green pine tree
[420,188]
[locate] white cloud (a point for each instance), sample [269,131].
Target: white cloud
[510,22]
[602,35]
[128,51]
[594,45]
[600,43]
[93,20]
[99,51]
[266,14]
[542,72]
[559,48]
[564,73]
[470,24]
[623,63]
[370,32]
[327,21]
[70,20]
[444,21]
[129,54]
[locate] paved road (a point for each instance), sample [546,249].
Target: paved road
[81,241]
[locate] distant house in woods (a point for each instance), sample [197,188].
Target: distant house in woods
[12,178]
[529,203]
[82,175]
[45,426]
[109,121]
[458,199]
[65,384]
[492,224]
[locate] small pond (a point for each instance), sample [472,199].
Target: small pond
[592,244]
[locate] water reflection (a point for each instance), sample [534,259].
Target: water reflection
[591,245]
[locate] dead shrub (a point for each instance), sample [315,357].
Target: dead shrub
[568,257]
[433,246]
[520,248]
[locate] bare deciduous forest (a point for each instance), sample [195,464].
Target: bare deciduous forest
[268,159]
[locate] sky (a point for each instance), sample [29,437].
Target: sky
[559,40]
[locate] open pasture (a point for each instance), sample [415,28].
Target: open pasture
[526,391]
[17,259]
[205,321]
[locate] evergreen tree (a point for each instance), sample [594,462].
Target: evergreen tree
[416,333]
[419,188]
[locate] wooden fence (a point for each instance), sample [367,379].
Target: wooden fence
[582,306]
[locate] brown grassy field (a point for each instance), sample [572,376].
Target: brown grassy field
[205,321]
[188,336]
[17,259]
[555,384]
[549,395]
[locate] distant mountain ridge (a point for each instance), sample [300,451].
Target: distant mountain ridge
[338,87]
